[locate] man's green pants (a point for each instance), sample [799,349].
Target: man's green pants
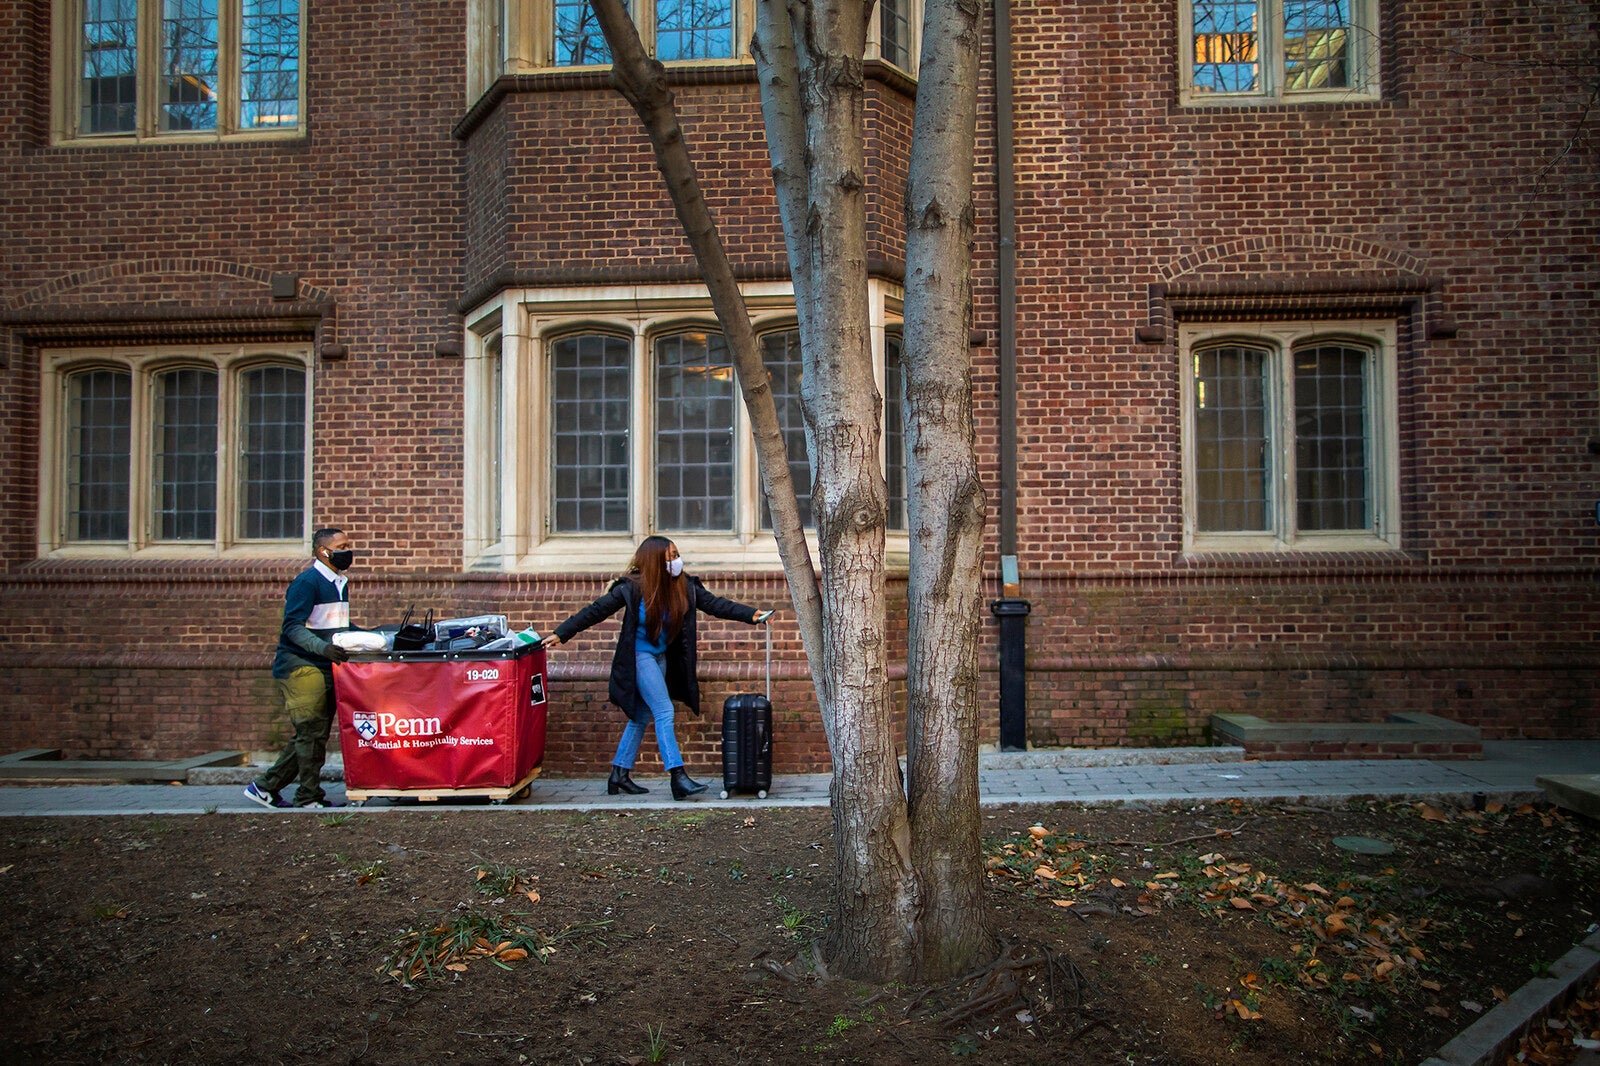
[308,698]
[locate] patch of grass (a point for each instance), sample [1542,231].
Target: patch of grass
[1043,863]
[333,821]
[110,911]
[500,878]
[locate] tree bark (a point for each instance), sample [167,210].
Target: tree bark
[947,501]
[810,57]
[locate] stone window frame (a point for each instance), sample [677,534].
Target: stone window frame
[144,363]
[507,497]
[1365,62]
[66,83]
[1281,339]
[509,37]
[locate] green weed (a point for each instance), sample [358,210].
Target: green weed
[656,1049]
[500,878]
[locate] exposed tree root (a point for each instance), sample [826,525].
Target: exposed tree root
[1032,984]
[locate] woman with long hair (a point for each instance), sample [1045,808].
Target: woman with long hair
[654,663]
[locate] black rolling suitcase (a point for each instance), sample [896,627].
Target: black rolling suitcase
[747,739]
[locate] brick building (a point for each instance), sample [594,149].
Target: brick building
[1286,385]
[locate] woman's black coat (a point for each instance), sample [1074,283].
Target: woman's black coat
[682,684]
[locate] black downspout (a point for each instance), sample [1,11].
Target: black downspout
[1011,609]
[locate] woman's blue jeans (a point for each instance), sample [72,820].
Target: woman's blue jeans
[651,678]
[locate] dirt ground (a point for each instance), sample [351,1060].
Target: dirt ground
[1228,933]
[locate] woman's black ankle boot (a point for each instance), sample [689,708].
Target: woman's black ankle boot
[621,780]
[684,786]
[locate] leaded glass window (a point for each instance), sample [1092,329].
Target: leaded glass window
[1289,437]
[108,88]
[189,65]
[272,456]
[1330,408]
[185,455]
[1230,439]
[780,352]
[694,29]
[590,411]
[269,64]
[894,32]
[160,68]
[694,405]
[99,438]
[578,37]
[894,431]
[1280,49]
[161,446]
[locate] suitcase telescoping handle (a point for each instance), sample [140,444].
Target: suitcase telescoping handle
[768,628]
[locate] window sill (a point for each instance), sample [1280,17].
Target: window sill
[702,552]
[134,140]
[1215,546]
[1190,100]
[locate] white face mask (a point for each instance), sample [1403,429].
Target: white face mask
[674,567]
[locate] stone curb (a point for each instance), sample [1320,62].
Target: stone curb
[1068,758]
[1487,1041]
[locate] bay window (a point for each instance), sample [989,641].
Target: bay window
[620,422]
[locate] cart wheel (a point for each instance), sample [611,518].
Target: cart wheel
[761,793]
[724,793]
[496,802]
[523,793]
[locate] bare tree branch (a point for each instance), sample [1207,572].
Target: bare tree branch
[643,82]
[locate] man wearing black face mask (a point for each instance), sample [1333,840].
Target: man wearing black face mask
[316,606]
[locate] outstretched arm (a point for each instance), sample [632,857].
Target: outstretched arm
[598,611]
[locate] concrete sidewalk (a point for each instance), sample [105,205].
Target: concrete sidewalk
[1507,772]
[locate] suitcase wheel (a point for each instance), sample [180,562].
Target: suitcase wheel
[724,793]
[761,793]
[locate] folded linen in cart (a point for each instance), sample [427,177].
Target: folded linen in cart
[362,640]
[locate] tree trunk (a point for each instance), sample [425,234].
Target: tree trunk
[810,57]
[947,502]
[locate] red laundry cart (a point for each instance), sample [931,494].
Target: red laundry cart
[435,724]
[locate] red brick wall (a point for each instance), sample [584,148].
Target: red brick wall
[1462,176]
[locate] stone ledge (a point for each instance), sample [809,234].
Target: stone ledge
[1403,736]
[1576,792]
[46,764]
[1488,1040]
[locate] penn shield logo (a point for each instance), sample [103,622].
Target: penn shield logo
[366,724]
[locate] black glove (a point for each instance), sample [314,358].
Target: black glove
[337,654]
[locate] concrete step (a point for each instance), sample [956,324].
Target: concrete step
[1575,792]
[1402,736]
[39,765]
